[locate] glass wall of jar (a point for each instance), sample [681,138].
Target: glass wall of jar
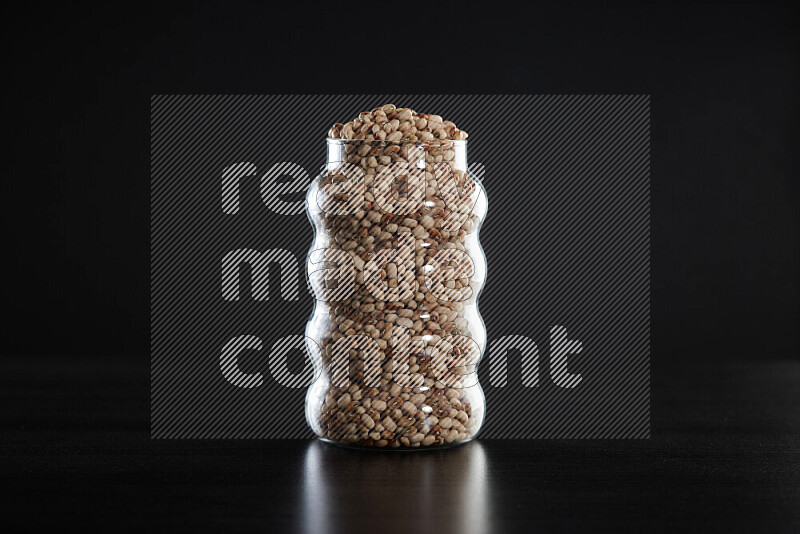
[396,268]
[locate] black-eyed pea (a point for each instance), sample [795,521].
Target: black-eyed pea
[344,400]
[389,423]
[406,421]
[405,322]
[396,136]
[417,399]
[368,422]
[410,408]
[418,231]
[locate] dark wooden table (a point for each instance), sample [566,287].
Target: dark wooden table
[724,456]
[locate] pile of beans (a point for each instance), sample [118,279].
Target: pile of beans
[427,411]
[396,125]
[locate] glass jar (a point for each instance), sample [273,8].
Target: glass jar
[396,268]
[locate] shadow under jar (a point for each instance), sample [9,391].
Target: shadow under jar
[396,268]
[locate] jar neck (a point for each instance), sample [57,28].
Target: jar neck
[369,154]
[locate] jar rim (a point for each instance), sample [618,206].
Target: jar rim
[335,140]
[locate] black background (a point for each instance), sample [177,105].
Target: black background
[723,79]
[724,84]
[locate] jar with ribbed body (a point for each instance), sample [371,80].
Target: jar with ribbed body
[396,268]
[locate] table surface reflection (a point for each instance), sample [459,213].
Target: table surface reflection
[724,455]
